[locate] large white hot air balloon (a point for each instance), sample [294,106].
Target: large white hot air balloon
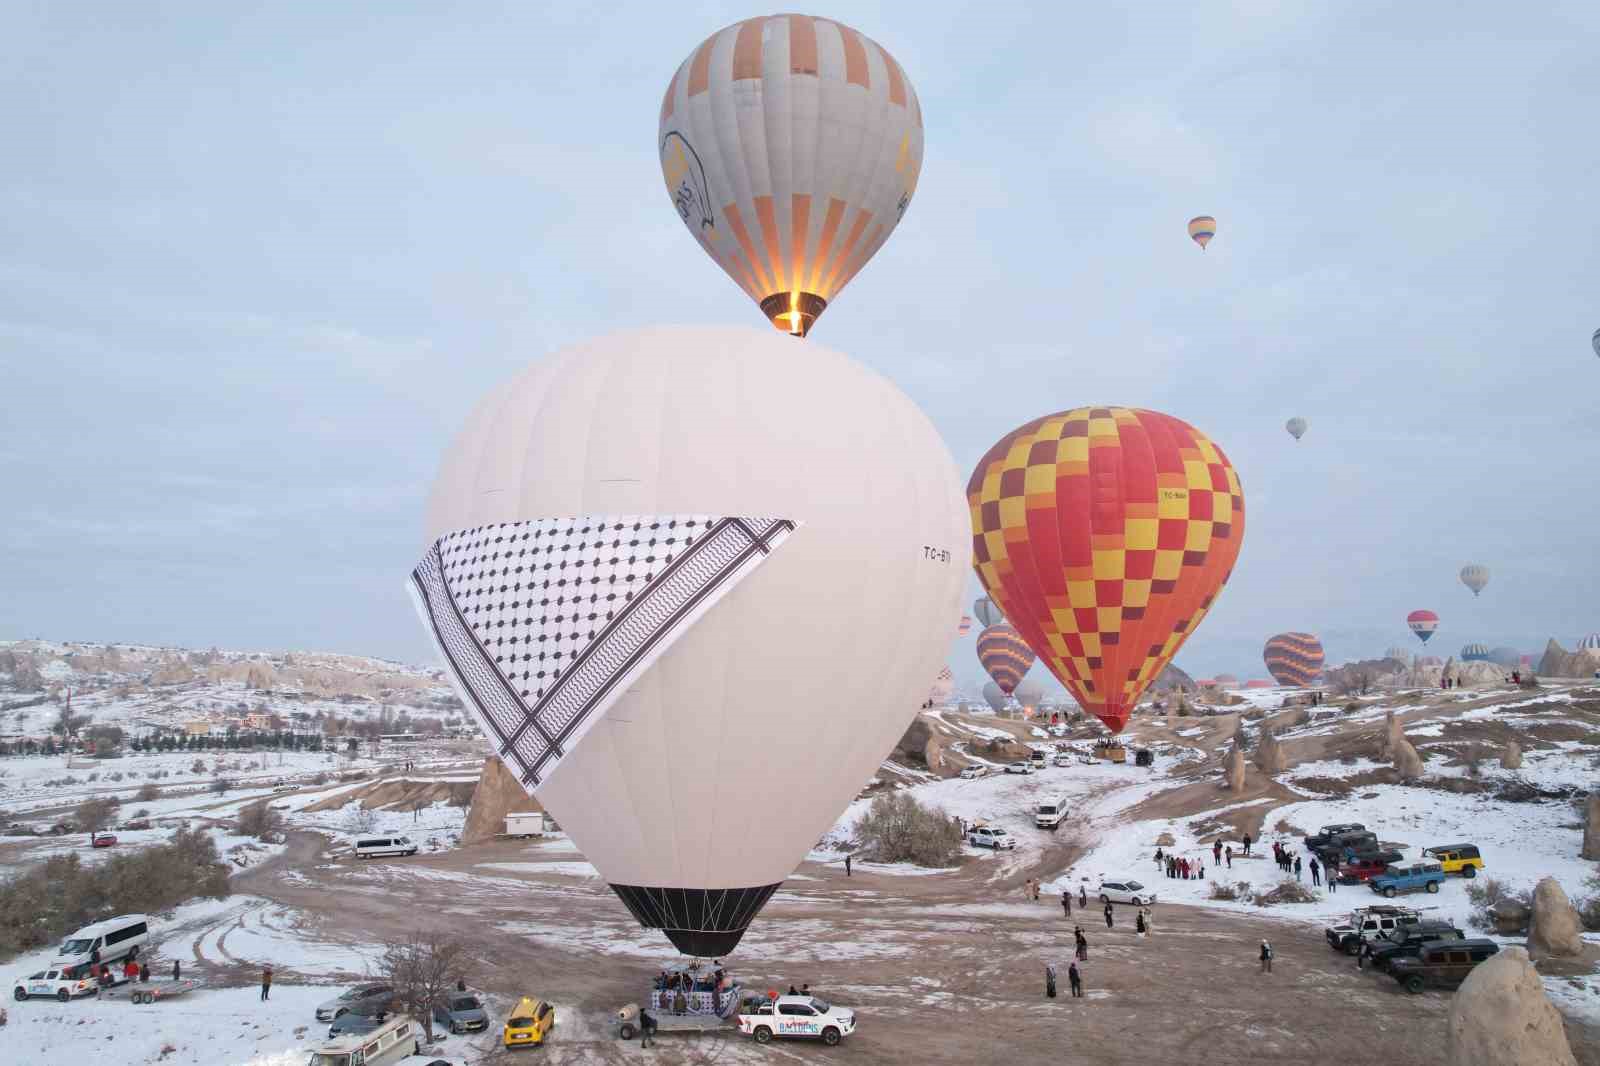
[790,146]
[1475,576]
[635,556]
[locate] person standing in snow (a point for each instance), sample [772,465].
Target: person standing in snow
[1246,843]
[1074,980]
[1228,854]
[1066,903]
[1082,943]
[177,969]
[847,866]
[266,982]
[1138,923]
[1050,980]
[1216,853]
[1108,915]
[1266,957]
[1083,896]
[1297,867]
[1315,873]
[1159,859]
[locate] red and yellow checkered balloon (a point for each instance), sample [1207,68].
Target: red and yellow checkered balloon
[1105,534]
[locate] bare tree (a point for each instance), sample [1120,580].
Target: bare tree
[423,970]
[93,815]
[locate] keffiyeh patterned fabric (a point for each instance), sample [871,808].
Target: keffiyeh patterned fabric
[545,623]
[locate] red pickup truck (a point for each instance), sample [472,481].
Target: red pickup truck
[1366,867]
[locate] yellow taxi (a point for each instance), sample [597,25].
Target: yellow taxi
[530,1022]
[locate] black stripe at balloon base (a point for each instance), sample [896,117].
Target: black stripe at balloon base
[704,922]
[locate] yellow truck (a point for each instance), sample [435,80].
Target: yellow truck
[1460,859]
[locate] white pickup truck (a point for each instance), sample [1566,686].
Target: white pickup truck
[798,1016]
[54,984]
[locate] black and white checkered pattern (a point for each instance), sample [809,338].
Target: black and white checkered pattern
[545,623]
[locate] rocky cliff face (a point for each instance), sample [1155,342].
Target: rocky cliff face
[1559,662]
[1171,678]
[497,795]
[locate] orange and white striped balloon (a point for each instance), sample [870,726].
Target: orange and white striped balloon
[790,146]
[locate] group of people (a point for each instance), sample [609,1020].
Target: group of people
[691,991]
[1066,900]
[1289,862]
[1183,869]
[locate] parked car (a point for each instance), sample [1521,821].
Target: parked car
[1444,963]
[1413,878]
[1323,836]
[1366,867]
[1061,758]
[1406,942]
[1367,923]
[354,1023]
[362,999]
[1126,892]
[530,1022]
[1462,859]
[104,840]
[976,771]
[1341,846]
[1037,760]
[1018,768]
[461,1012]
[991,836]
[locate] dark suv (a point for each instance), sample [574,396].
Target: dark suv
[1406,942]
[1340,845]
[1444,963]
[1317,840]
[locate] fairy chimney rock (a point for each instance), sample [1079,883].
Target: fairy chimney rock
[1501,1015]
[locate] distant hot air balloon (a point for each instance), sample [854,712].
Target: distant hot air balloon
[943,686]
[1475,577]
[1029,694]
[627,631]
[1475,653]
[1505,656]
[1590,642]
[994,697]
[1594,342]
[1422,623]
[1297,427]
[1293,658]
[988,614]
[1227,680]
[1105,534]
[791,147]
[1005,655]
[964,626]
[1258,682]
[1201,229]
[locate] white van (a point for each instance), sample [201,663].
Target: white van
[390,1042]
[105,941]
[375,847]
[1049,812]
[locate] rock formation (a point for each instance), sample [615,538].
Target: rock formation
[1510,916]
[1559,662]
[1557,929]
[1235,770]
[933,754]
[1591,827]
[1391,735]
[1501,1015]
[497,795]
[1511,756]
[1406,759]
[1173,678]
[1269,753]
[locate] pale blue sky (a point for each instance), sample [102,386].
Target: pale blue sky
[255,266]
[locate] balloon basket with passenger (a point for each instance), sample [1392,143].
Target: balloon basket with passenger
[685,997]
